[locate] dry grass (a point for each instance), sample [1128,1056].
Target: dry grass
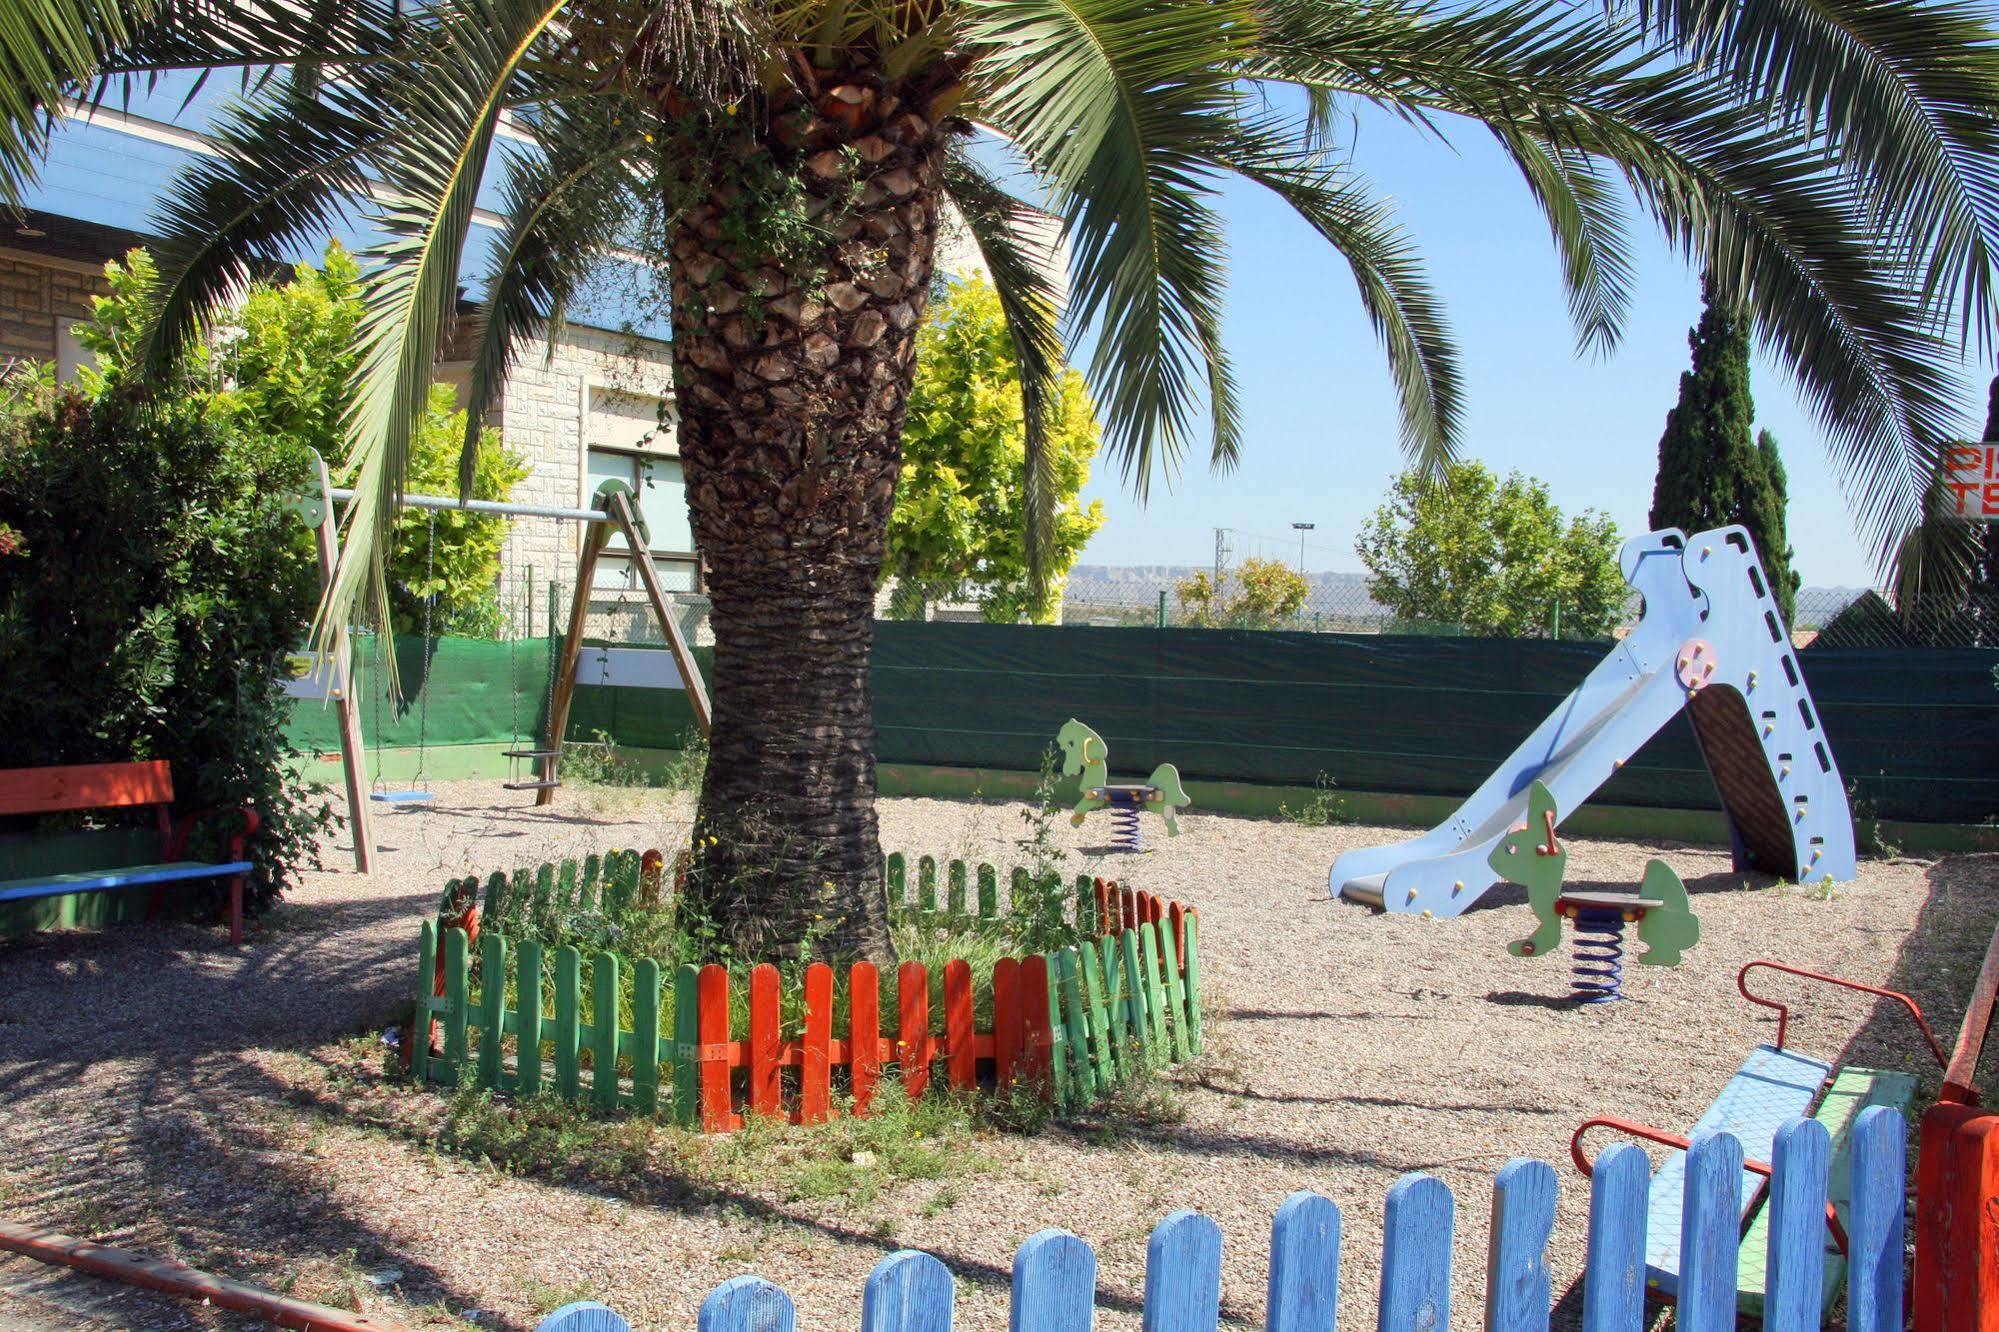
[161,1090]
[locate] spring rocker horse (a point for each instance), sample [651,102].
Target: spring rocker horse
[1085,755]
[1530,856]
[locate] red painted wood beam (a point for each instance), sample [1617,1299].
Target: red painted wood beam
[177,1278]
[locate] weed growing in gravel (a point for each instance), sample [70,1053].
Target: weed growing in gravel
[1324,807]
[546,1299]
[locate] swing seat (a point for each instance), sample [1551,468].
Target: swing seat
[531,753]
[540,784]
[402,797]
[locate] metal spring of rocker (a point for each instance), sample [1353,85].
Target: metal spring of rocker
[1599,955]
[1126,835]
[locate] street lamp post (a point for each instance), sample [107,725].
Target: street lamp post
[1301,529]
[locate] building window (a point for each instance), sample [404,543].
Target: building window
[662,503]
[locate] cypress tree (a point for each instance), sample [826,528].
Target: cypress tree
[1713,471]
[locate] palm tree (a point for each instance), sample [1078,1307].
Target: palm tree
[784,164]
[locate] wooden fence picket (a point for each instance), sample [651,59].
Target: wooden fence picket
[546,906]
[1009,1025]
[1875,1222]
[1134,990]
[1155,982]
[583,1316]
[527,1017]
[864,1032]
[957,913]
[457,1014]
[687,1045]
[988,893]
[426,1002]
[568,1021]
[712,1004]
[492,1006]
[1183,1274]
[1176,996]
[897,873]
[907,1292]
[1614,1281]
[913,1027]
[1037,1036]
[604,1030]
[747,1304]
[1054,1284]
[1103,1030]
[1019,890]
[766,1039]
[645,1036]
[926,886]
[1794,1280]
[1517,1282]
[1081,1067]
[815,1086]
[1190,975]
[1303,1292]
[586,888]
[1416,1256]
[1710,1234]
[961,1068]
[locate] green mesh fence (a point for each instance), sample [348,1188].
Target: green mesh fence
[1916,732]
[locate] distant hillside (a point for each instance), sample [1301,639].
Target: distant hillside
[1129,593]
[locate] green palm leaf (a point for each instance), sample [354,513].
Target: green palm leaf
[1011,236]
[564,204]
[446,111]
[1119,105]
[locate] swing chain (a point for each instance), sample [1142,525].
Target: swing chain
[422,780]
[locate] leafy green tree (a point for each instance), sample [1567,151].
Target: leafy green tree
[1494,557]
[784,166]
[1264,594]
[283,370]
[960,519]
[1712,472]
[290,362]
[150,586]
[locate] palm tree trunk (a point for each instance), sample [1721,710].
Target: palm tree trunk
[795,316]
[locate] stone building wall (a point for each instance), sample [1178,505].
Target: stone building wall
[40,296]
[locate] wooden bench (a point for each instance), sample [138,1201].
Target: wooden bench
[1773,1085]
[102,786]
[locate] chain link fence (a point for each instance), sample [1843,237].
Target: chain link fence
[1336,604]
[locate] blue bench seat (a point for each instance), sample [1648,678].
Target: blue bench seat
[110,880]
[1772,1086]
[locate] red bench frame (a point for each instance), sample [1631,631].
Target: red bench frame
[98,786]
[1957,1183]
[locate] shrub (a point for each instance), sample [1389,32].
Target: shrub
[155,578]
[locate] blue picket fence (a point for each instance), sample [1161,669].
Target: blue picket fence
[1055,1273]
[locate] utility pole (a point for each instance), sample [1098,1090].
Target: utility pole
[1301,529]
[1221,554]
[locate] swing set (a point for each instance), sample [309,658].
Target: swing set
[532,764]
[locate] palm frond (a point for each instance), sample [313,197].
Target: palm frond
[563,205]
[447,107]
[1587,219]
[285,168]
[1118,105]
[1013,237]
[1901,92]
[1398,298]
[48,48]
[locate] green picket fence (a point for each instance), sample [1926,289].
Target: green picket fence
[513,1015]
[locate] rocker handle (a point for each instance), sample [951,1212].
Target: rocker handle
[1662,1137]
[1784,1013]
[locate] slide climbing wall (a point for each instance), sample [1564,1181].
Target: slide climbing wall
[1709,641]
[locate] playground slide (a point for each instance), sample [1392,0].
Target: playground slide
[1710,641]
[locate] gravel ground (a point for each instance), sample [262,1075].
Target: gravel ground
[161,1090]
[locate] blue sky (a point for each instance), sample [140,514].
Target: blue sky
[1320,429]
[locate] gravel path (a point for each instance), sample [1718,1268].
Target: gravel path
[161,1090]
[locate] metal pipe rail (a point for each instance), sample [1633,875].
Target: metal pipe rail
[1784,1012]
[444,503]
